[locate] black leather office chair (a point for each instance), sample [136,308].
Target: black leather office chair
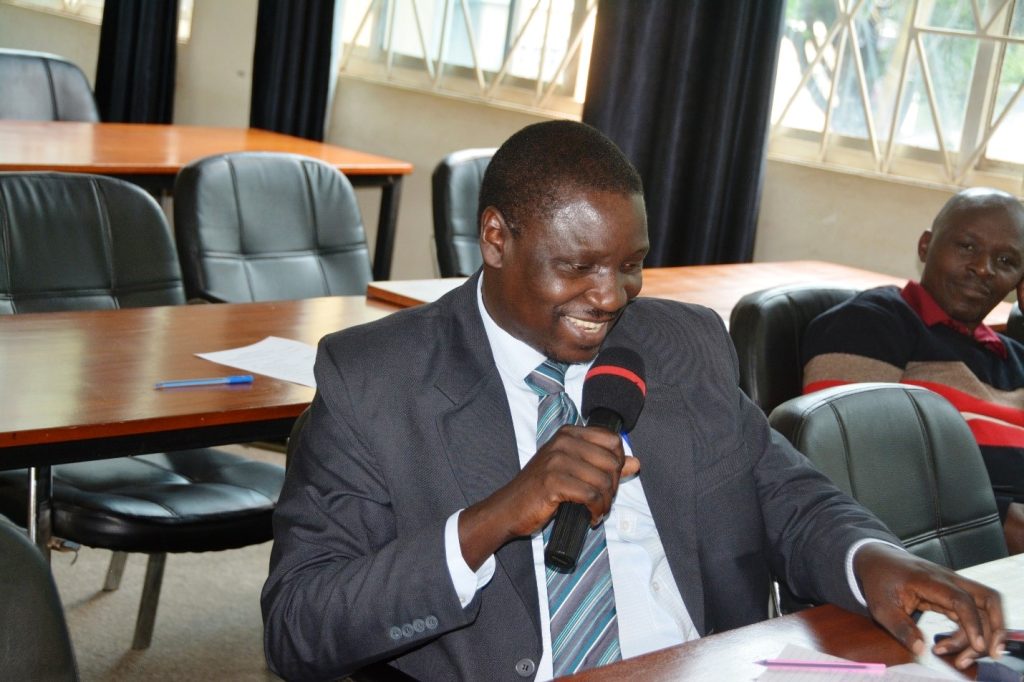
[455,190]
[34,640]
[767,328]
[906,454]
[36,86]
[76,241]
[1015,324]
[260,226]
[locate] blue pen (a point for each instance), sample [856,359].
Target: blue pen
[236,379]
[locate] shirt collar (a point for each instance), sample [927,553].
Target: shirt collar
[515,359]
[931,313]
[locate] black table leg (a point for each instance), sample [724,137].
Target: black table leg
[391,193]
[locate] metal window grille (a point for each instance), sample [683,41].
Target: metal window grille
[528,53]
[896,86]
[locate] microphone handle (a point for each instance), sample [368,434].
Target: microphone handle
[572,518]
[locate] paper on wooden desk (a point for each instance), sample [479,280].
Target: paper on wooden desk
[284,359]
[909,672]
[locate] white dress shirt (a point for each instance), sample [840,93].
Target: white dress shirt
[650,610]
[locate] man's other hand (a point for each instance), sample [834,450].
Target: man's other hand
[896,583]
[1013,527]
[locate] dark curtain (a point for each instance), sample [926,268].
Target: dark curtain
[291,67]
[136,67]
[684,88]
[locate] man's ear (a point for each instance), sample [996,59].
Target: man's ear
[922,245]
[494,235]
[1020,295]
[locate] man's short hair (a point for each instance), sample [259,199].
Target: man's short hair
[544,163]
[978,199]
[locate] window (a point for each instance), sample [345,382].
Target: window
[527,53]
[92,12]
[929,89]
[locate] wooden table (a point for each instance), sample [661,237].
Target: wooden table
[718,287]
[78,386]
[151,156]
[731,655]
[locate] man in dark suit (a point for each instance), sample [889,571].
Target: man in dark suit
[410,526]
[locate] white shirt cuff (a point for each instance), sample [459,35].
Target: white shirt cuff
[465,581]
[850,577]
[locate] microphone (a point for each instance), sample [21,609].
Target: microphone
[613,396]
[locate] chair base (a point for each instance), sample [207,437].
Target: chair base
[146,618]
[115,571]
[148,603]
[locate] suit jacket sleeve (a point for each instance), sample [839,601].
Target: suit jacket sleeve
[346,588]
[809,523]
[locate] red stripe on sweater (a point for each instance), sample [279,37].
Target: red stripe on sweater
[823,384]
[1008,431]
[996,434]
[966,402]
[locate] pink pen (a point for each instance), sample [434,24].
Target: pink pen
[845,666]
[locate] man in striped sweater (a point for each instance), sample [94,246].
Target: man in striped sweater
[932,334]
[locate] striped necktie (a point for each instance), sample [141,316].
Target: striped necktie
[584,629]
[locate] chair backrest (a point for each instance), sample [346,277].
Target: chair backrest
[36,86]
[455,192]
[260,226]
[34,640]
[767,328]
[1015,324]
[906,454]
[73,241]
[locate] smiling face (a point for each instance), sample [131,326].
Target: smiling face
[559,282]
[974,257]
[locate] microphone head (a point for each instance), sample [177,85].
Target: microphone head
[616,382]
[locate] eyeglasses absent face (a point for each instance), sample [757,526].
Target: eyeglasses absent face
[560,282]
[973,260]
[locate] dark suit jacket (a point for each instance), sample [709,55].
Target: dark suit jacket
[410,424]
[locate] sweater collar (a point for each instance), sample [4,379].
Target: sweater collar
[918,298]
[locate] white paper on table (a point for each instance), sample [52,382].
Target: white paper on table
[284,359]
[909,672]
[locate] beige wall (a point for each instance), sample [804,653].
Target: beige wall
[421,129]
[215,68]
[75,40]
[806,212]
[810,213]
